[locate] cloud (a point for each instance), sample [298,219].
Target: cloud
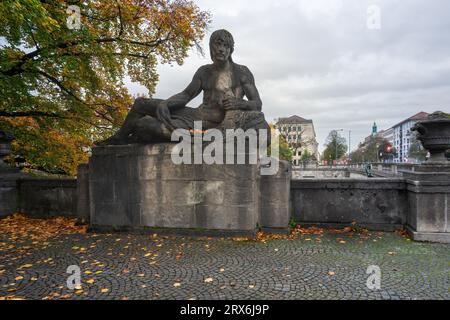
[318,59]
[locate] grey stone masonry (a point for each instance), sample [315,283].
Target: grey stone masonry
[428,188]
[83,211]
[275,199]
[8,196]
[378,203]
[135,186]
[9,190]
[48,197]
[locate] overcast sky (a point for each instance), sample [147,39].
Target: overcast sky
[319,59]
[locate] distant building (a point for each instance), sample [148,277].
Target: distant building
[399,136]
[402,136]
[374,130]
[374,134]
[300,135]
[387,134]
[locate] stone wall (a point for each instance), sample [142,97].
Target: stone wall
[39,197]
[8,196]
[376,203]
[140,186]
[321,173]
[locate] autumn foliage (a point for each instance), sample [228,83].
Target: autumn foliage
[63,88]
[19,227]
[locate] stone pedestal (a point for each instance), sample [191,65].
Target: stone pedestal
[275,200]
[83,204]
[429,202]
[139,186]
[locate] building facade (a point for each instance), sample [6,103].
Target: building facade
[399,136]
[387,134]
[301,137]
[402,136]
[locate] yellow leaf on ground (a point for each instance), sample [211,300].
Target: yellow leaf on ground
[90,281]
[177,284]
[104,290]
[26,266]
[208,280]
[18,278]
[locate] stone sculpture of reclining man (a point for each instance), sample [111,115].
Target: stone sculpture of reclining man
[224,85]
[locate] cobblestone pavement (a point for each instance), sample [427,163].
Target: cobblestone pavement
[122,266]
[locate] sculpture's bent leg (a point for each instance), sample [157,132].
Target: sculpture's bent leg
[149,130]
[142,107]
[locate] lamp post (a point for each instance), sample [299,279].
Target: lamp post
[349,140]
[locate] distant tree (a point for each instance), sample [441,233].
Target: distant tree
[376,149]
[285,151]
[358,156]
[335,146]
[306,156]
[62,83]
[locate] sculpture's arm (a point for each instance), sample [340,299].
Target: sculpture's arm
[253,102]
[181,99]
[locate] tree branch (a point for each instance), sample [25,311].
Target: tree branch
[31,114]
[59,84]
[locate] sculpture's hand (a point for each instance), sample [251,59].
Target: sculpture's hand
[232,103]
[163,114]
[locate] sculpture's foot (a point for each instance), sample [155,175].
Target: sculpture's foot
[112,141]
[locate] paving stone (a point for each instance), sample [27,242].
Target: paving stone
[127,266]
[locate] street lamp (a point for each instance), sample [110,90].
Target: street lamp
[349,140]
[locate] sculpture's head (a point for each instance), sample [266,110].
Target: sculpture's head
[221,46]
